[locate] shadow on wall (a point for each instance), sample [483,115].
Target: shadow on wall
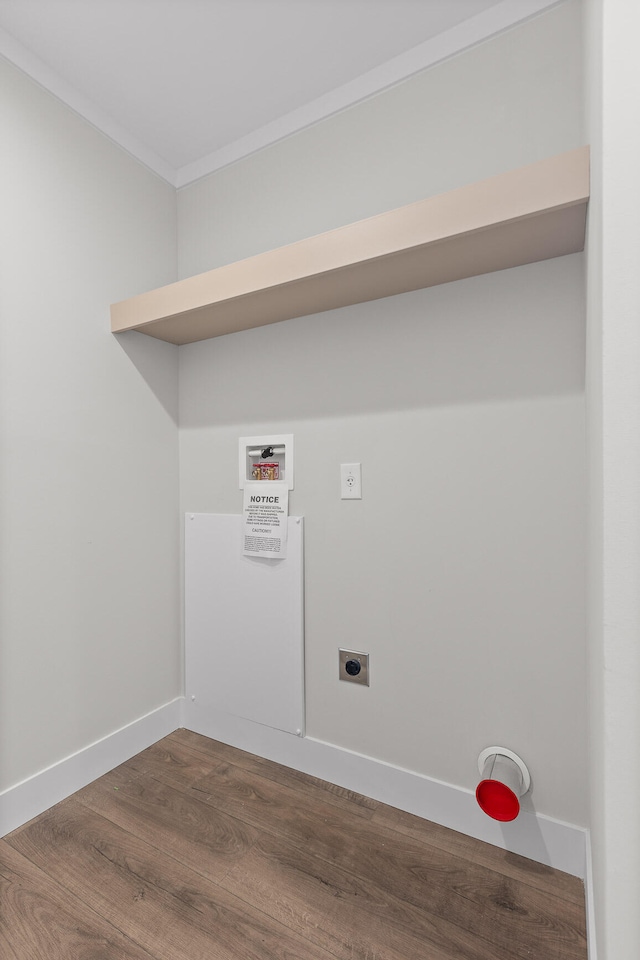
[527,824]
[514,334]
[155,361]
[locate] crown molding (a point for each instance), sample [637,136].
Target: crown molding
[468,34]
[497,19]
[18,55]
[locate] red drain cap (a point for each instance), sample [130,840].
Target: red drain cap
[497,800]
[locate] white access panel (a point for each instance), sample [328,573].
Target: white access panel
[244,623]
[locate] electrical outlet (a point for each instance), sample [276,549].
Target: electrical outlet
[353,666]
[350,481]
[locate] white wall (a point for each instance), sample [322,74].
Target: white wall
[462,570]
[88,438]
[507,102]
[614,429]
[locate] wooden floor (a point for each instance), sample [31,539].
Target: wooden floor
[196,851]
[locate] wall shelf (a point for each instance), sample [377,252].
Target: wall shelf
[533,213]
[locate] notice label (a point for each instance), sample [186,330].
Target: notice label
[264,527]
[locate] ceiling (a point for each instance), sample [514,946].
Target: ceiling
[189,86]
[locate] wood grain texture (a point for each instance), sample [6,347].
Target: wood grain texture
[314,788]
[348,915]
[41,921]
[536,874]
[194,849]
[182,825]
[441,884]
[172,911]
[555,882]
[173,763]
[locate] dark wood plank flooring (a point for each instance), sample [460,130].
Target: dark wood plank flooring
[194,850]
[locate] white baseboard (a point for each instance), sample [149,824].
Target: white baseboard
[33,796]
[556,844]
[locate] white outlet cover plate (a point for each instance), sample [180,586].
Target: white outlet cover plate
[350,481]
